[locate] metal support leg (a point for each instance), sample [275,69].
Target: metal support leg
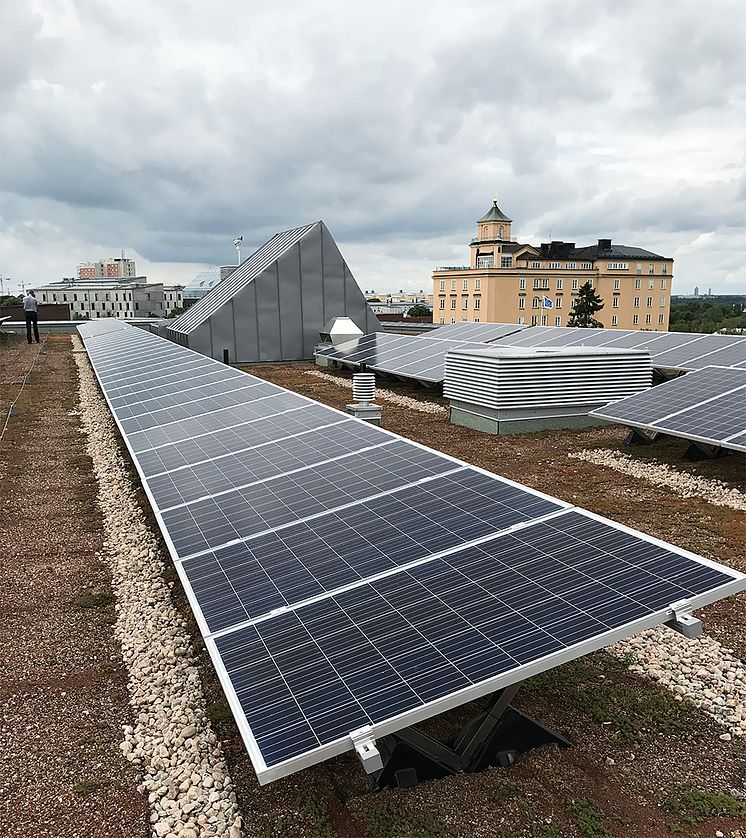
[634,437]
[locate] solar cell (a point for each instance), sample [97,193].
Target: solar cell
[343,576]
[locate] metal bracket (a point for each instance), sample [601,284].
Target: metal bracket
[365,746]
[683,622]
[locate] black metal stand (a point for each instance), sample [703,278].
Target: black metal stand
[634,437]
[492,737]
[701,451]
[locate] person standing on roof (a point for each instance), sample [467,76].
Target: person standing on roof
[30,309]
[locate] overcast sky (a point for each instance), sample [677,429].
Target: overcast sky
[168,128]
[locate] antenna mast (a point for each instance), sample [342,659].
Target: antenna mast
[237,244]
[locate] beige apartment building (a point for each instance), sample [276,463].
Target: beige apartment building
[507,282]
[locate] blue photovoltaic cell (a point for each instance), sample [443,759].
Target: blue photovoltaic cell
[308,677]
[259,463]
[254,577]
[264,506]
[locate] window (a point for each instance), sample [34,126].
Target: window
[555,265]
[617,284]
[635,319]
[477,304]
[485,261]
[638,268]
[442,285]
[574,285]
[571,266]
[618,266]
[521,321]
[465,285]
[453,320]
[521,303]
[651,268]
[506,261]
[464,319]
[442,304]
[453,304]
[64,298]
[500,232]
[661,319]
[536,264]
[453,285]
[664,269]
[543,320]
[664,284]
[615,302]
[649,302]
[522,284]
[614,320]
[558,321]
[648,319]
[477,284]
[636,302]
[54,297]
[476,320]
[558,302]
[559,284]
[464,303]
[534,319]
[651,283]
[638,284]
[586,266]
[75,297]
[541,284]
[663,302]
[442,320]
[535,302]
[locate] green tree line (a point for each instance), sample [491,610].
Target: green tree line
[708,314]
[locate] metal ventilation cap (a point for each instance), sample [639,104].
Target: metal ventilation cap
[340,330]
[364,387]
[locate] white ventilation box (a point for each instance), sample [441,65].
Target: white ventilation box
[512,390]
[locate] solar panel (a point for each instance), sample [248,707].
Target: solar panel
[420,357]
[708,405]
[669,350]
[343,576]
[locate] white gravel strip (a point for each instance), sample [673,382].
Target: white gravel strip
[684,485]
[386,395]
[183,770]
[701,670]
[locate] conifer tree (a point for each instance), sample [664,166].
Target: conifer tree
[586,305]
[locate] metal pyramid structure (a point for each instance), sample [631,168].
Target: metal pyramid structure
[272,307]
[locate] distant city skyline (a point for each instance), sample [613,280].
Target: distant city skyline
[394,123]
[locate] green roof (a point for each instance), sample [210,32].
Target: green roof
[495,214]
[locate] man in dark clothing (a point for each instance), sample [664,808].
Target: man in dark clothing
[30,309]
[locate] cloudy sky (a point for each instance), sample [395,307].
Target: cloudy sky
[168,128]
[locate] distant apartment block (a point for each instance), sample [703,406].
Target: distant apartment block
[122,298]
[107,269]
[507,282]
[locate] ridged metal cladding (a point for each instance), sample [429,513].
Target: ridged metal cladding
[364,386]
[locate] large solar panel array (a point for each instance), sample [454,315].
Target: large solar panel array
[420,357]
[669,350]
[708,405]
[344,577]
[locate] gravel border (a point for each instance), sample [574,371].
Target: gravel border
[684,485]
[172,743]
[702,671]
[386,395]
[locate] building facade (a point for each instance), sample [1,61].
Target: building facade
[108,269]
[509,282]
[123,298]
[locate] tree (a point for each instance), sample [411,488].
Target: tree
[586,305]
[10,300]
[419,310]
[175,312]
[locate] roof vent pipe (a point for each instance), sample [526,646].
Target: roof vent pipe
[364,391]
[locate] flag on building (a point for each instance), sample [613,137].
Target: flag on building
[547,303]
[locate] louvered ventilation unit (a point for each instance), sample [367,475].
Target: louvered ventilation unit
[511,390]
